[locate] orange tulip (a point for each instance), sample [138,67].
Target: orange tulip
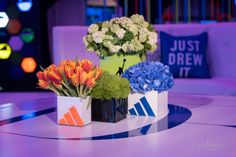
[90,83]
[69,72]
[52,67]
[60,70]
[83,78]
[40,75]
[98,73]
[78,70]
[58,86]
[45,74]
[43,84]
[75,79]
[90,74]
[87,65]
[81,73]
[54,76]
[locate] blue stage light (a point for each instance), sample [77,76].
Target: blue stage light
[24,5]
[3,19]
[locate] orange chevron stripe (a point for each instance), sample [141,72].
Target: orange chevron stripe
[76,116]
[62,121]
[69,119]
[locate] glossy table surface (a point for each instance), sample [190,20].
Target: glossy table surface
[197,125]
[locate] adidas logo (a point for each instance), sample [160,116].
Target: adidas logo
[142,109]
[72,118]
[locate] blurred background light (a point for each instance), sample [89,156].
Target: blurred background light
[24,5]
[27,35]
[3,19]
[28,64]
[13,26]
[5,51]
[15,43]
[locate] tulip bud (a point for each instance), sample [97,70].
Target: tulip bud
[75,79]
[43,84]
[83,77]
[87,65]
[90,83]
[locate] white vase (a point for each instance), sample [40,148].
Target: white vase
[73,111]
[150,104]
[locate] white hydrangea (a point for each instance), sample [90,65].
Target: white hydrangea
[114,20]
[152,38]
[137,19]
[90,49]
[133,29]
[142,37]
[104,29]
[115,28]
[98,37]
[98,53]
[125,47]
[135,45]
[144,30]
[120,33]
[93,28]
[108,37]
[107,43]
[124,21]
[119,26]
[144,24]
[89,38]
[85,41]
[114,48]
[153,48]
[106,24]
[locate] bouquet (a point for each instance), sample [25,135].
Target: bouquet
[71,78]
[147,76]
[121,36]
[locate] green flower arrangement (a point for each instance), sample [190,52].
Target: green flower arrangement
[110,86]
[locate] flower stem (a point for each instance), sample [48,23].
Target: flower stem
[72,93]
[55,91]
[77,90]
[81,90]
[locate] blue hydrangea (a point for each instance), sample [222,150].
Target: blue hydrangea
[147,76]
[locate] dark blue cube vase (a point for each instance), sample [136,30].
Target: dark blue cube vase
[111,111]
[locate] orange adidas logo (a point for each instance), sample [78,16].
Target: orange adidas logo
[71,118]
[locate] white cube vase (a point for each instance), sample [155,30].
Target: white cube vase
[150,104]
[73,111]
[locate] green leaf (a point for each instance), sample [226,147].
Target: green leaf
[94,46]
[115,41]
[99,26]
[150,28]
[103,50]
[147,46]
[41,68]
[110,33]
[128,36]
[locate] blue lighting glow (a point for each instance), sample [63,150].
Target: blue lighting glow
[24,5]
[95,14]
